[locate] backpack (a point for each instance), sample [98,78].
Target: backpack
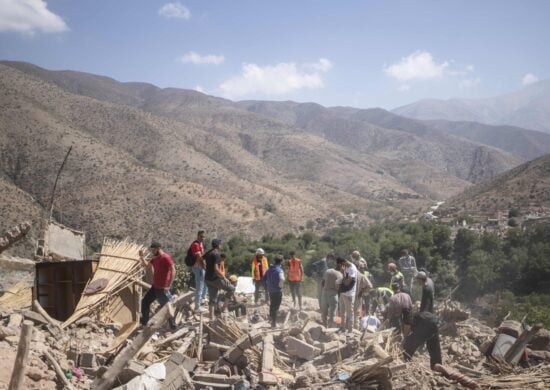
[189,258]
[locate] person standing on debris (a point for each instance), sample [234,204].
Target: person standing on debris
[347,293]
[407,265]
[164,272]
[424,330]
[329,299]
[399,312]
[274,280]
[428,292]
[259,268]
[396,276]
[215,279]
[196,251]
[361,291]
[295,278]
[365,299]
[319,268]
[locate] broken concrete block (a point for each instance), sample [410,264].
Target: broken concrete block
[88,359]
[179,359]
[216,378]
[15,320]
[301,349]
[335,355]
[316,332]
[176,379]
[132,370]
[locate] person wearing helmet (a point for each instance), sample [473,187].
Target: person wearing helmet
[379,298]
[396,276]
[259,268]
[237,304]
[428,292]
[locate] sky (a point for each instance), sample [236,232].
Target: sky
[336,53]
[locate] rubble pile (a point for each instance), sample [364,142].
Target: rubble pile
[245,353]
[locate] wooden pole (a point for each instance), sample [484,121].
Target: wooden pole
[20,365]
[60,375]
[199,347]
[158,320]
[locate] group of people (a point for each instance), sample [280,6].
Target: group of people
[346,287]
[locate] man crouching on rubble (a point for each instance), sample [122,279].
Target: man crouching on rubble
[164,272]
[424,330]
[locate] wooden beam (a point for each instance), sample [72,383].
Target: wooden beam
[513,355]
[37,307]
[20,365]
[199,346]
[268,358]
[157,322]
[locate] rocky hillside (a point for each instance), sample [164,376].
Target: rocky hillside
[526,187]
[150,162]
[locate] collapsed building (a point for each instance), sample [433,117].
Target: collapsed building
[78,329]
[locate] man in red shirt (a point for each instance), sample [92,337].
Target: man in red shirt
[199,269]
[164,272]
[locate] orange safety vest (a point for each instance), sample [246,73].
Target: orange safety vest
[256,268]
[294,270]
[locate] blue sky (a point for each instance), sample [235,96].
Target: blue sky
[355,53]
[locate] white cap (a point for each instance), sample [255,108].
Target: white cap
[260,251]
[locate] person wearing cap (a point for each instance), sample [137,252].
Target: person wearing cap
[428,292]
[259,268]
[399,311]
[164,273]
[396,276]
[274,280]
[198,269]
[236,304]
[295,278]
[215,279]
[407,265]
[347,290]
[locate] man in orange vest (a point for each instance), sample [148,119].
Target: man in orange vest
[295,278]
[259,268]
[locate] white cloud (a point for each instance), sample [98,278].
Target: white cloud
[197,59]
[420,65]
[529,78]
[404,88]
[276,79]
[469,83]
[200,89]
[470,68]
[175,10]
[29,16]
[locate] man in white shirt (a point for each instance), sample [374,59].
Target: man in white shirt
[347,292]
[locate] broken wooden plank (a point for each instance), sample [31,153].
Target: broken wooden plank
[157,322]
[268,358]
[199,347]
[20,365]
[37,307]
[172,337]
[513,355]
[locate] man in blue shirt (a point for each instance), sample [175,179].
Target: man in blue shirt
[274,280]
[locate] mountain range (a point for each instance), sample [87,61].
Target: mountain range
[528,108]
[161,163]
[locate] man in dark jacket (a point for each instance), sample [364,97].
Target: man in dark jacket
[428,292]
[274,280]
[424,330]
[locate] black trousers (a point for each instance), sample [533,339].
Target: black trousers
[152,295]
[275,299]
[424,331]
[260,285]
